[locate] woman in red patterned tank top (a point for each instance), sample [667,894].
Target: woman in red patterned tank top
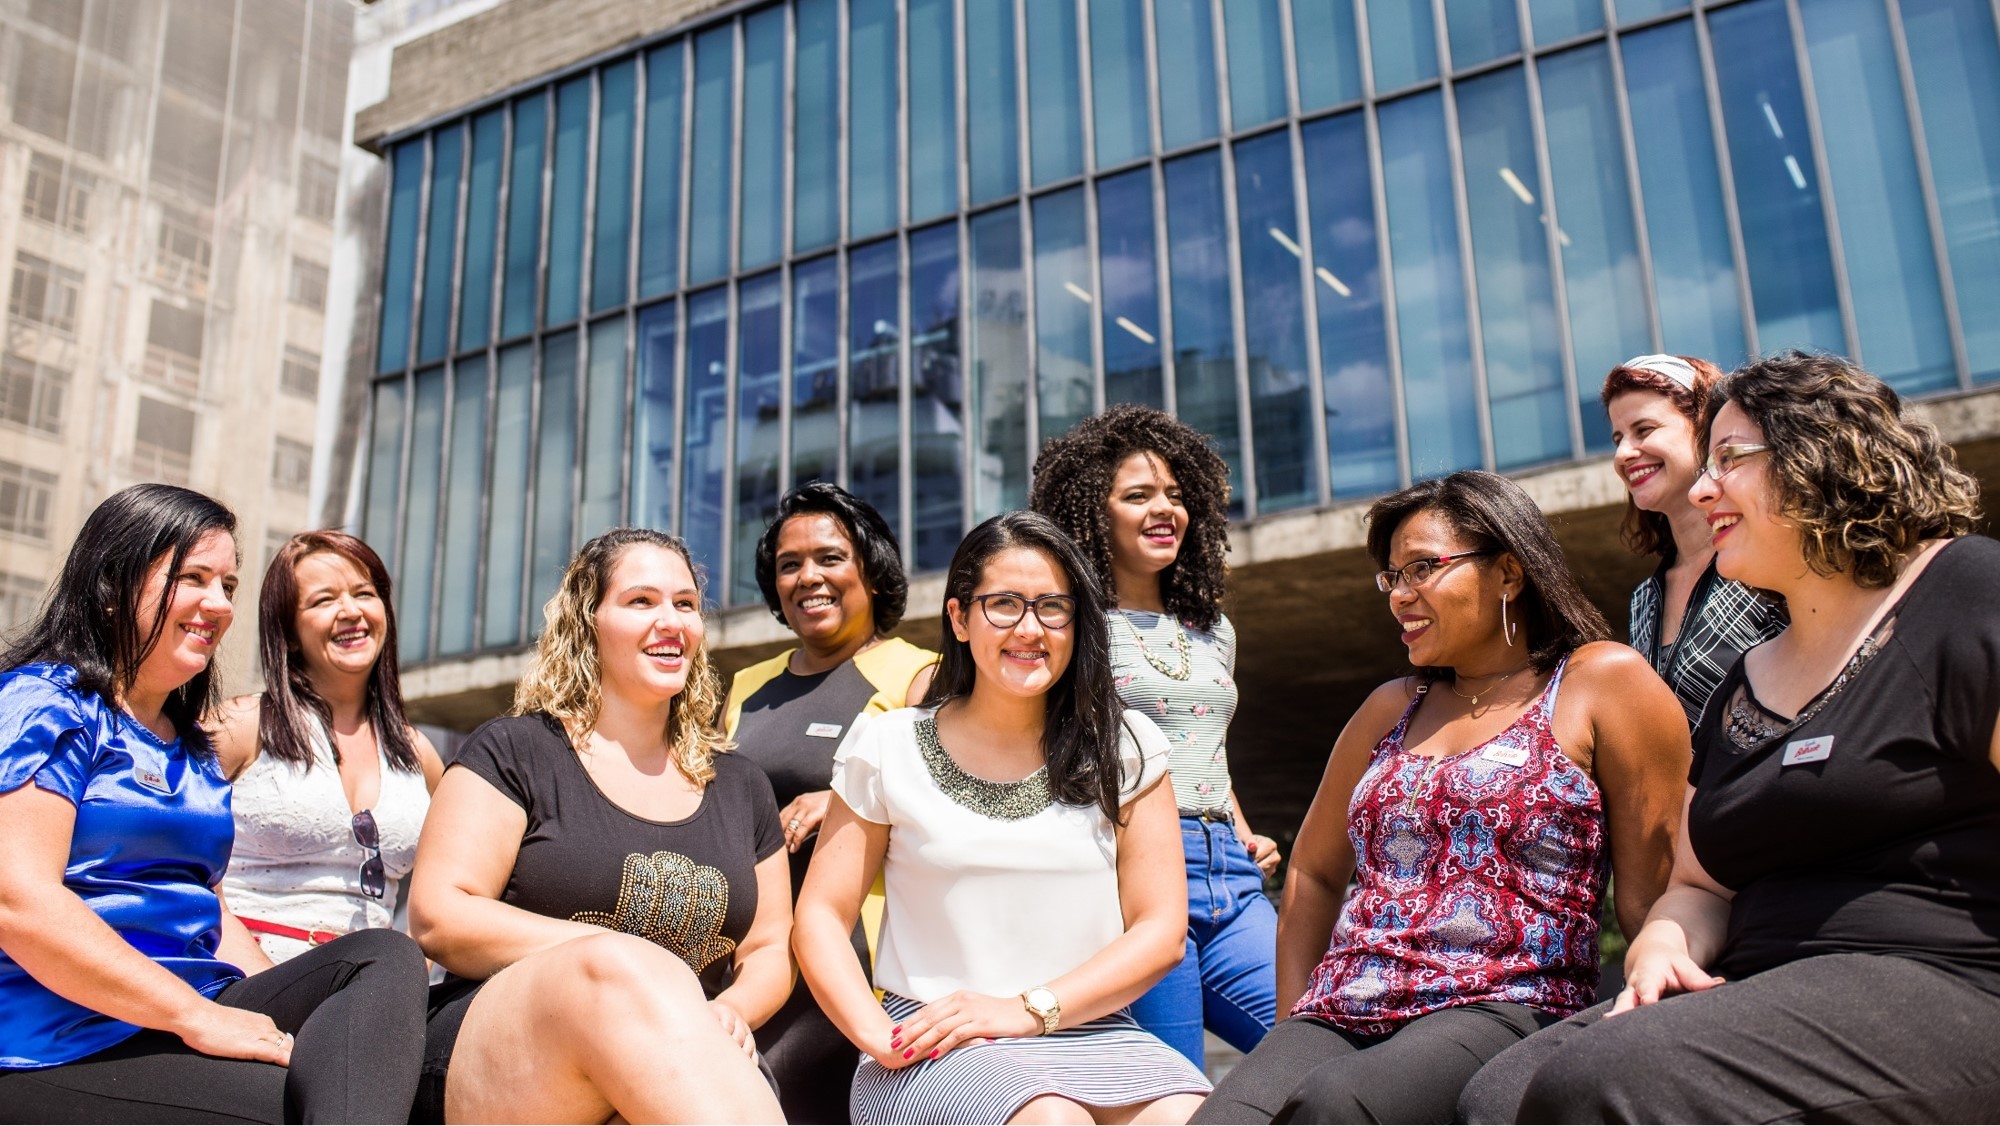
[1478,807]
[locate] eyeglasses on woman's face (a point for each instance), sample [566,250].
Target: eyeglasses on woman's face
[1417,572]
[1005,609]
[1722,459]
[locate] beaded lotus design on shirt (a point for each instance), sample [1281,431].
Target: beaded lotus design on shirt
[674,903]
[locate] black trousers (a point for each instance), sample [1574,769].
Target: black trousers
[1306,1070]
[1838,1038]
[807,1055]
[355,1007]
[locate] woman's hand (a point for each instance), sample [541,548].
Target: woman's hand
[1658,965]
[738,1029]
[952,1021]
[802,817]
[236,1034]
[1263,852]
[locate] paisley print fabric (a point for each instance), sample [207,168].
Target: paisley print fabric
[1478,876]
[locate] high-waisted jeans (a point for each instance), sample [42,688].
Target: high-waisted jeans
[1227,980]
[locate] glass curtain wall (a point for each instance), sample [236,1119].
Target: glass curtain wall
[898,244]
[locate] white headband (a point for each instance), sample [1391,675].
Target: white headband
[1673,367]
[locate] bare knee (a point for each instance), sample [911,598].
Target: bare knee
[622,970]
[1052,1109]
[1173,1110]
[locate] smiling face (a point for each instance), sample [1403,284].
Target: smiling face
[1028,658]
[1753,543]
[197,614]
[342,622]
[649,625]
[822,587]
[1453,618]
[1147,517]
[1656,456]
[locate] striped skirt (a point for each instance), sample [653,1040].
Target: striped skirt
[1110,1061]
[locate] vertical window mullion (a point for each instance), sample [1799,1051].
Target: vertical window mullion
[1455,145]
[1552,243]
[1232,240]
[1933,213]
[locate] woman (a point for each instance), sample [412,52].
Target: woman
[1020,825]
[123,987]
[1478,806]
[601,878]
[319,853]
[831,571]
[1688,621]
[1146,499]
[1828,946]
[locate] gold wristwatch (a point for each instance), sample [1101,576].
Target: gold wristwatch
[1043,1004]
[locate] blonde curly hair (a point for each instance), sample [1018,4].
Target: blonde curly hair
[563,679]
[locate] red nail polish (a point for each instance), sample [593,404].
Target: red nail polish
[934,1053]
[910,1054]
[896,1042]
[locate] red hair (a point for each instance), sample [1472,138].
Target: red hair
[1651,533]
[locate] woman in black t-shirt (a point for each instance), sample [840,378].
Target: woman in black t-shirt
[1829,947]
[607,887]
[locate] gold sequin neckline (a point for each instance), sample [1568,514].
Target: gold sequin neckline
[1002,801]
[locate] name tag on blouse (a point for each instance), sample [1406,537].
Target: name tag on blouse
[152,779]
[1506,756]
[823,730]
[1800,751]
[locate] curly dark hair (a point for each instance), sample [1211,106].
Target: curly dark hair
[1864,481]
[874,544]
[1072,486]
[1651,533]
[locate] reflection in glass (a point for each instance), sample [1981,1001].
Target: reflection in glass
[760,304]
[993,113]
[440,244]
[933,110]
[816,117]
[1118,81]
[1184,34]
[1402,40]
[763,202]
[555,470]
[1694,269]
[1274,328]
[1957,70]
[1055,97]
[385,469]
[1064,391]
[399,263]
[612,241]
[603,430]
[1204,337]
[1777,189]
[871,116]
[704,442]
[458,583]
[709,178]
[420,519]
[1253,32]
[937,397]
[1327,41]
[1129,276]
[874,380]
[660,209]
[1884,235]
[999,348]
[1630,11]
[566,185]
[653,419]
[1557,20]
[1600,245]
[1439,392]
[482,228]
[815,370]
[524,217]
[1480,30]
[507,523]
[1353,336]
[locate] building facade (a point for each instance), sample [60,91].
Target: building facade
[660,270]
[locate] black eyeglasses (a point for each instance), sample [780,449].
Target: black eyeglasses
[374,880]
[1417,572]
[1006,609]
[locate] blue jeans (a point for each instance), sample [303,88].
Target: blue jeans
[1228,979]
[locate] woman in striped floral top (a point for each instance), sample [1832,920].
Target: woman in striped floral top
[1146,499]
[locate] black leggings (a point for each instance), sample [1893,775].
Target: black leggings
[1306,1070]
[1837,1038]
[356,1006]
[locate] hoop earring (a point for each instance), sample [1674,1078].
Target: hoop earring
[1507,628]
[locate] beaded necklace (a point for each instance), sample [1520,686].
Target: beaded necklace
[1179,645]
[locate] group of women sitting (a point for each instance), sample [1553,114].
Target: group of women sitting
[969,856]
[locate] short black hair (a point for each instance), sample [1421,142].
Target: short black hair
[881,556]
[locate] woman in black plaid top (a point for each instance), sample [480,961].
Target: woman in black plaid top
[1690,622]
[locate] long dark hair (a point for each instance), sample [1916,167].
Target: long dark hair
[290,702]
[90,621]
[1080,734]
[1496,515]
[875,547]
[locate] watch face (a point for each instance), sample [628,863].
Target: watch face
[1041,1000]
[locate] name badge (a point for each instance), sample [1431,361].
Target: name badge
[152,780]
[823,730]
[1506,756]
[1807,750]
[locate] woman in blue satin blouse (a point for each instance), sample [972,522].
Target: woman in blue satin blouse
[128,992]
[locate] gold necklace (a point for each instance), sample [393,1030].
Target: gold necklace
[1453,685]
[1179,644]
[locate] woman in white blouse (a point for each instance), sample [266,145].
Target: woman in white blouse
[1031,860]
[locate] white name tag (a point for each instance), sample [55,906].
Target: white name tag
[1506,756]
[1807,750]
[823,730]
[151,779]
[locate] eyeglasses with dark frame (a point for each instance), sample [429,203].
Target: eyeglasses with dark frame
[1005,609]
[1417,572]
[374,880]
[1722,459]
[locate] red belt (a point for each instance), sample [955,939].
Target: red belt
[313,938]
